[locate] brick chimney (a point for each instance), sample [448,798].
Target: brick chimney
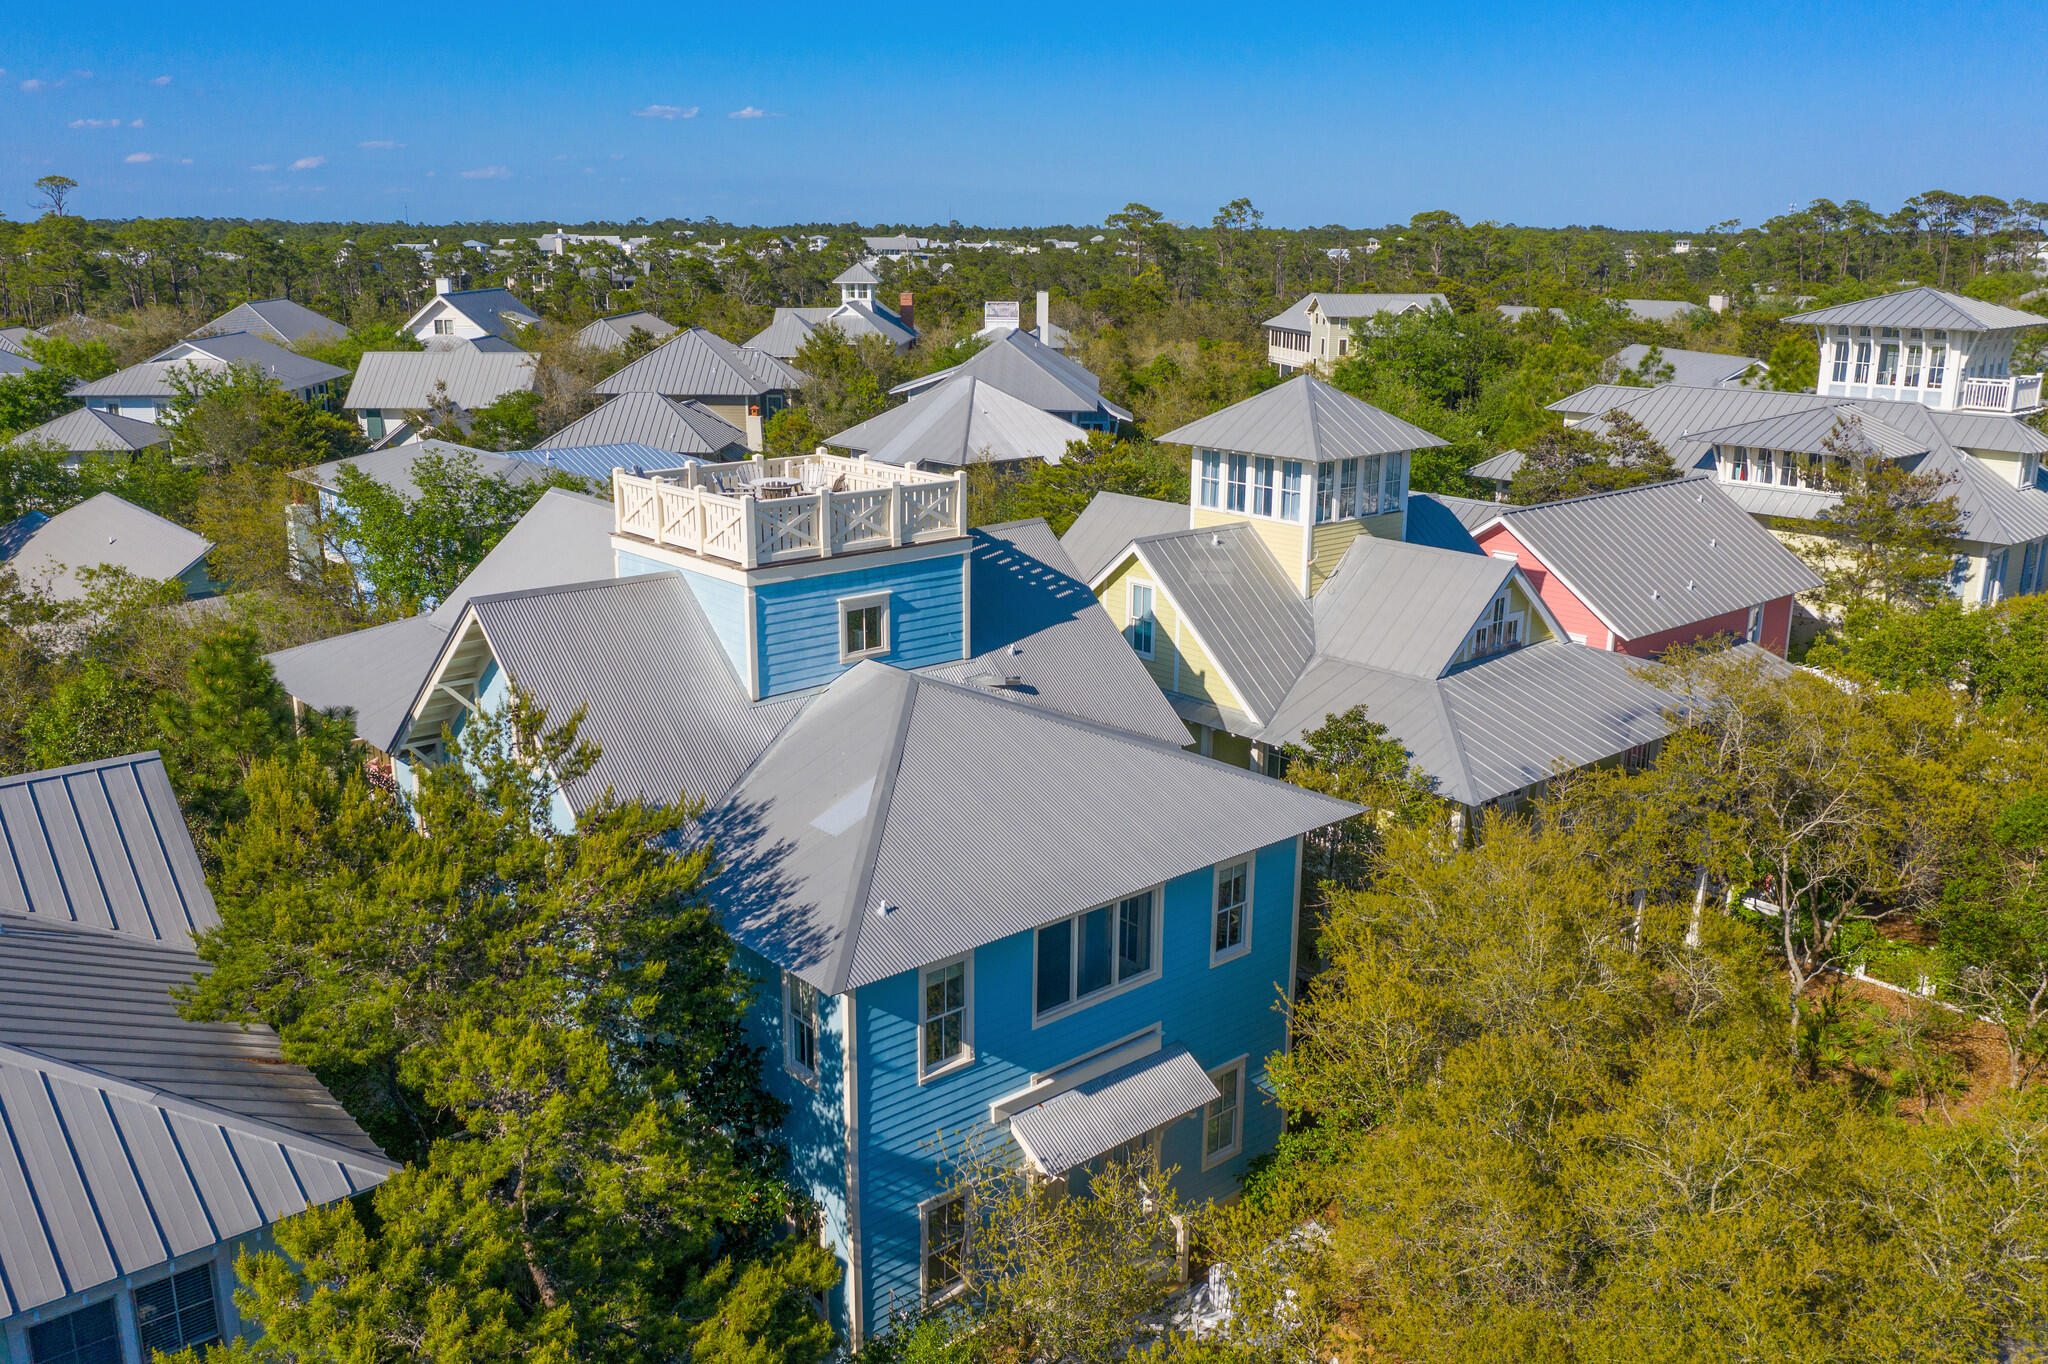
[905,309]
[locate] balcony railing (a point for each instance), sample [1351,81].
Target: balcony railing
[2016,393]
[773,511]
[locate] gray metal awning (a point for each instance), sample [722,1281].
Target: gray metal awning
[1104,1113]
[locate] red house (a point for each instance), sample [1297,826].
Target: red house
[1640,570]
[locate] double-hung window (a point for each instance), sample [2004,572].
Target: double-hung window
[1094,952]
[1937,364]
[1736,470]
[1840,373]
[1290,490]
[1230,934]
[1223,1118]
[1262,486]
[1326,492]
[1862,362]
[1755,633]
[1912,379]
[863,626]
[1888,364]
[174,1313]
[1763,466]
[800,1025]
[1237,481]
[1369,486]
[1212,479]
[942,1224]
[944,1022]
[1347,488]
[1395,471]
[1140,629]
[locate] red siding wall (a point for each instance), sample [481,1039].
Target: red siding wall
[1577,619]
[1571,613]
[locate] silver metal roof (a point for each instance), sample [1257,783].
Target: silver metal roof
[1305,419]
[787,331]
[1500,467]
[1925,308]
[847,861]
[1595,399]
[565,538]
[1807,431]
[611,333]
[102,844]
[1227,588]
[1102,1114]
[596,462]
[1344,306]
[1661,555]
[134,1136]
[649,419]
[1659,309]
[1496,726]
[393,466]
[102,531]
[497,311]
[407,380]
[153,377]
[858,273]
[1110,522]
[13,365]
[696,363]
[1699,367]
[276,319]
[960,422]
[1402,607]
[82,430]
[1026,368]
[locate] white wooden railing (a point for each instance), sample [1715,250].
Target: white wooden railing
[2016,393]
[836,506]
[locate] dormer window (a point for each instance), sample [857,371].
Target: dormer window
[1212,478]
[1500,629]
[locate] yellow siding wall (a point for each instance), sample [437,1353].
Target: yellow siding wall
[1234,749]
[1281,538]
[1178,663]
[1332,538]
[1519,600]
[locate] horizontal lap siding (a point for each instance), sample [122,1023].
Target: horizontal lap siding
[1178,663]
[1218,1014]
[1574,615]
[1734,624]
[797,620]
[724,604]
[1329,540]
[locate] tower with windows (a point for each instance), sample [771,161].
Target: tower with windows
[1925,346]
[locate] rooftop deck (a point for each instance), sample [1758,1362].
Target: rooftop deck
[773,511]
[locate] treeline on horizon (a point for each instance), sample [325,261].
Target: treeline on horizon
[1234,270]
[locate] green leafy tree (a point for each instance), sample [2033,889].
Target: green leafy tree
[1994,652]
[790,432]
[1572,461]
[236,417]
[412,551]
[511,422]
[1100,463]
[546,1024]
[1355,758]
[1795,364]
[92,712]
[850,377]
[1994,931]
[1891,538]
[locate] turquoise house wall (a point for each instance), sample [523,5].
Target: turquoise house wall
[724,604]
[797,619]
[1218,1014]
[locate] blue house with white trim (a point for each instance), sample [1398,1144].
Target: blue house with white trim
[987,890]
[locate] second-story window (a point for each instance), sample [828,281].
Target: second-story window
[1140,629]
[444,326]
[1290,490]
[1737,466]
[1937,364]
[943,1020]
[1763,466]
[1862,362]
[1888,363]
[1755,633]
[1095,951]
[1262,486]
[800,1025]
[1912,367]
[1212,479]
[1840,373]
[1326,492]
[1347,488]
[1237,482]
[1395,473]
[863,626]
[1233,907]
[1369,486]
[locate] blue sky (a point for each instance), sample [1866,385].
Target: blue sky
[1636,115]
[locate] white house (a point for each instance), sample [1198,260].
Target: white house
[1925,346]
[1317,329]
[468,314]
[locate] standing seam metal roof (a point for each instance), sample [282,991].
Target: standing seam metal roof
[1922,307]
[153,377]
[695,363]
[404,380]
[276,319]
[1304,419]
[962,421]
[1227,587]
[1026,368]
[650,419]
[104,531]
[82,430]
[1402,607]
[1104,1113]
[1106,527]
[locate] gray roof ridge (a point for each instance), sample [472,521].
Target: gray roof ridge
[152,1097]
[878,825]
[72,769]
[1513,509]
[587,585]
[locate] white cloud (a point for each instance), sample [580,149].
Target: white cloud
[487,173]
[184,160]
[31,86]
[100,123]
[666,111]
[137,158]
[136,123]
[83,75]
[266,166]
[309,163]
[380,145]
[751,112]
[161,80]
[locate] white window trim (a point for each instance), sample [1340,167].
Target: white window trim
[848,605]
[1074,1006]
[1230,1152]
[1244,942]
[966,1056]
[1131,616]
[924,1247]
[1753,631]
[789,1062]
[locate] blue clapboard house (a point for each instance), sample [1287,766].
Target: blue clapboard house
[987,890]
